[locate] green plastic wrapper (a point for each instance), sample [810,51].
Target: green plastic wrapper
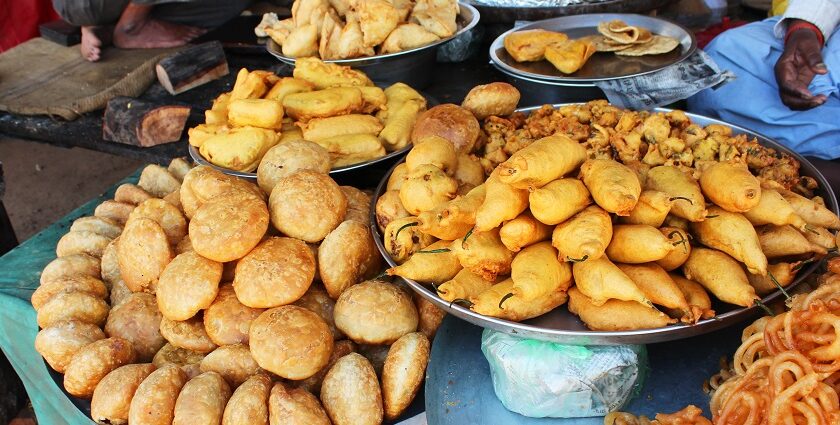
[542,379]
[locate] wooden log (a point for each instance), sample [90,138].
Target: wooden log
[192,67]
[137,122]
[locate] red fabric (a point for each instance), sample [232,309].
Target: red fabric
[705,37]
[804,25]
[19,20]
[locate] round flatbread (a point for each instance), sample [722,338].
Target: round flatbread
[657,45]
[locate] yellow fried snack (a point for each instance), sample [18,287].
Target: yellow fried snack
[248,85]
[170,219]
[613,186]
[154,401]
[570,55]
[360,313]
[202,400]
[276,272]
[301,42]
[90,364]
[373,98]
[143,252]
[677,257]
[464,286]
[483,253]
[821,236]
[227,320]
[295,406]
[350,392]
[499,99]
[397,177]
[810,211]
[427,187]
[619,32]
[451,122]
[434,263]
[403,372]
[530,46]
[638,243]
[431,316]
[502,202]
[319,129]
[697,298]
[733,234]
[652,208]
[397,131]
[99,225]
[318,301]
[307,205]
[58,343]
[137,320]
[249,403]
[523,231]
[340,349]
[542,161]
[616,315]
[113,210]
[323,103]
[324,75]
[601,280]
[287,158]
[773,208]
[497,301]
[233,362]
[228,227]
[686,196]
[731,186]
[402,238]
[559,200]
[187,334]
[78,306]
[584,236]
[352,148]
[80,283]
[187,360]
[346,256]
[433,150]
[721,275]
[782,274]
[240,149]
[286,86]
[262,113]
[406,37]
[453,219]
[71,265]
[658,287]
[81,242]
[785,241]
[536,271]
[469,170]
[291,342]
[112,396]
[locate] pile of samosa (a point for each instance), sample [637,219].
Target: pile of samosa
[627,249]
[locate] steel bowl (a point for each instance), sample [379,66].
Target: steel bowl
[509,11]
[561,326]
[414,67]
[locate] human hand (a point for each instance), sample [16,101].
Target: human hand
[799,63]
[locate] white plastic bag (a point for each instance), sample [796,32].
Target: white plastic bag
[543,379]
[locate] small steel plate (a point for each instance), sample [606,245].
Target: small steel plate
[602,65]
[559,325]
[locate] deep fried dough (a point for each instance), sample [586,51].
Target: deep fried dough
[137,320]
[360,313]
[112,396]
[188,284]
[189,334]
[58,343]
[90,364]
[234,362]
[227,321]
[307,206]
[276,272]
[291,342]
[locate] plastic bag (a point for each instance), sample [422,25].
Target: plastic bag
[543,379]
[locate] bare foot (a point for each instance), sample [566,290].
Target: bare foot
[91,44]
[152,33]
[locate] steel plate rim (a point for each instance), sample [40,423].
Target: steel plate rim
[641,336]
[498,42]
[474,16]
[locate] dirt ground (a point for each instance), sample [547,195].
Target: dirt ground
[43,182]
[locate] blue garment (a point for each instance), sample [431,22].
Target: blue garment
[752,100]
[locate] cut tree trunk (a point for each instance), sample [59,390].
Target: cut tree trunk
[137,122]
[192,67]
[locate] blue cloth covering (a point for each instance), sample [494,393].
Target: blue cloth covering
[752,100]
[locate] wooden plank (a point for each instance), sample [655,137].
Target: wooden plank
[192,67]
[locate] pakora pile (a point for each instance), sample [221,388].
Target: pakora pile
[196,297]
[325,110]
[630,243]
[359,28]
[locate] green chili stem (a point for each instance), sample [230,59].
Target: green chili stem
[576,260]
[778,285]
[682,240]
[464,241]
[434,251]
[414,223]
[458,301]
[764,307]
[712,216]
[437,290]
[508,295]
[811,229]
[674,198]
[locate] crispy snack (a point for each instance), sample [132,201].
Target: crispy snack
[81,242]
[301,42]
[113,210]
[170,219]
[158,181]
[536,271]
[99,225]
[731,186]
[352,149]
[583,237]
[307,205]
[426,187]
[143,253]
[320,129]
[249,403]
[154,401]
[678,256]
[502,202]
[288,158]
[324,75]
[652,208]
[286,86]
[464,286]
[188,284]
[687,199]
[402,238]
[291,342]
[404,370]
[559,200]
[318,301]
[202,400]
[484,254]
[616,315]
[785,241]
[721,275]
[276,272]
[430,316]
[109,264]
[346,256]
[783,273]
[604,44]
[262,113]
[406,37]
[522,231]
[434,263]
[233,362]
[397,177]
[204,184]
[78,283]
[71,265]
[119,292]
[90,364]
[530,45]
[618,31]
[497,301]
[227,320]
[433,150]
[137,320]
[454,219]
[351,393]
[78,306]
[601,280]
[570,55]
[187,360]
[228,227]
[657,45]
[112,396]
[248,85]
[358,204]
[810,211]
[131,194]
[360,313]
[469,171]
[239,149]
[58,343]
[543,161]
[659,288]
[376,355]
[295,406]
[188,334]
[613,186]
[698,299]
[313,383]
[497,98]
[637,244]
[450,122]
[437,16]
[733,234]
[402,108]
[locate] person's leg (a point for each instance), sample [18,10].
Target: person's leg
[200,13]
[137,28]
[96,19]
